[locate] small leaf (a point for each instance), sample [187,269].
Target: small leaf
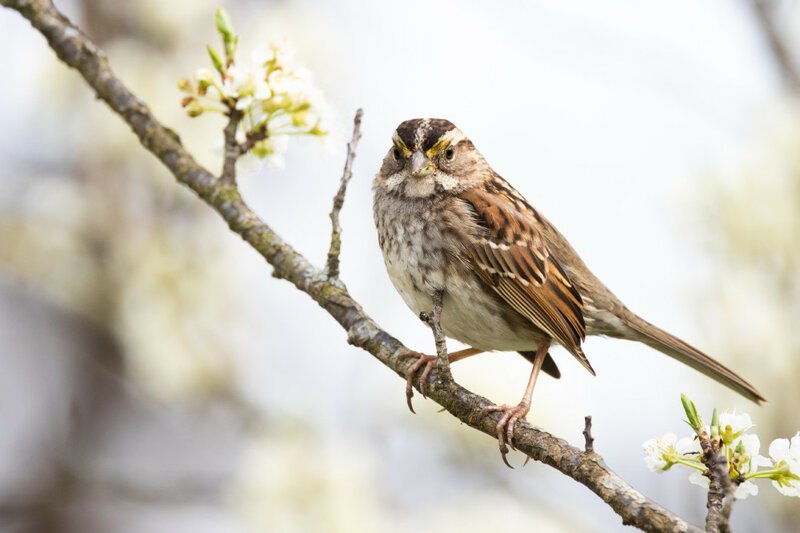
[215,59]
[691,413]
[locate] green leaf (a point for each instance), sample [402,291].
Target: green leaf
[215,59]
[691,413]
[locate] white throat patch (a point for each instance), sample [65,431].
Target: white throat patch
[420,187]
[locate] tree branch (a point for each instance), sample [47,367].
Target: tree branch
[232,148]
[587,435]
[720,488]
[434,320]
[338,200]
[77,51]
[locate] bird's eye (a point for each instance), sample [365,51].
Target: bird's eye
[449,153]
[396,153]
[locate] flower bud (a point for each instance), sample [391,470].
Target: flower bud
[263,149]
[224,24]
[225,28]
[205,78]
[215,59]
[194,109]
[185,85]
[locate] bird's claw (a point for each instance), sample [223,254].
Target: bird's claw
[505,427]
[429,362]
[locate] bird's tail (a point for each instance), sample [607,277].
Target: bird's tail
[664,342]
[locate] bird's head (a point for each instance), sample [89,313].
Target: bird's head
[430,156]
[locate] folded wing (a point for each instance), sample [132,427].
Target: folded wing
[510,255]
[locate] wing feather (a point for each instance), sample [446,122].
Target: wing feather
[511,256]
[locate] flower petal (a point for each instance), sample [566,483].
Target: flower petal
[697,478]
[748,488]
[779,450]
[688,445]
[787,490]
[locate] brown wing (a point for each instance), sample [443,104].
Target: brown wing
[511,256]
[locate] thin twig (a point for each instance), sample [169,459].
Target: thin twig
[434,320]
[232,148]
[253,138]
[587,434]
[338,200]
[77,51]
[720,488]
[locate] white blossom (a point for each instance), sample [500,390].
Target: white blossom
[688,446]
[204,75]
[246,85]
[751,446]
[278,51]
[750,458]
[659,451]
[732,425]
[698,478]
[748,488]
[275,96]
[740,451]
[785,455]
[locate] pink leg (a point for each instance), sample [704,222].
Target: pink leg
[505,427]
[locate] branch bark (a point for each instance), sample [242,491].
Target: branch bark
[720,487]
[338,200]
[434,321]
[587,435]
[80,53]
[232,149]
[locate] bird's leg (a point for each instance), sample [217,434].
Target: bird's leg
[430,363]
[505,427]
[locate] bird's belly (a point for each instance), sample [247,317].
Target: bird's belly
[476,316]
[471,312]
[422,258]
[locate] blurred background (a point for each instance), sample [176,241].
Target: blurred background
[156,378]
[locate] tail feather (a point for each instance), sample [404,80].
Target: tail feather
[548,367]
[689,355]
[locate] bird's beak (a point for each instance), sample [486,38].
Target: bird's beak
[421,166]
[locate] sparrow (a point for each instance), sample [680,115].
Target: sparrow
[453,231]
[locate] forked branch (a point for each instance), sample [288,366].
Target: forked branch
[338,201]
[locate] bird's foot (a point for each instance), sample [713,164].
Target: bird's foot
[429,363]
[505,427]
